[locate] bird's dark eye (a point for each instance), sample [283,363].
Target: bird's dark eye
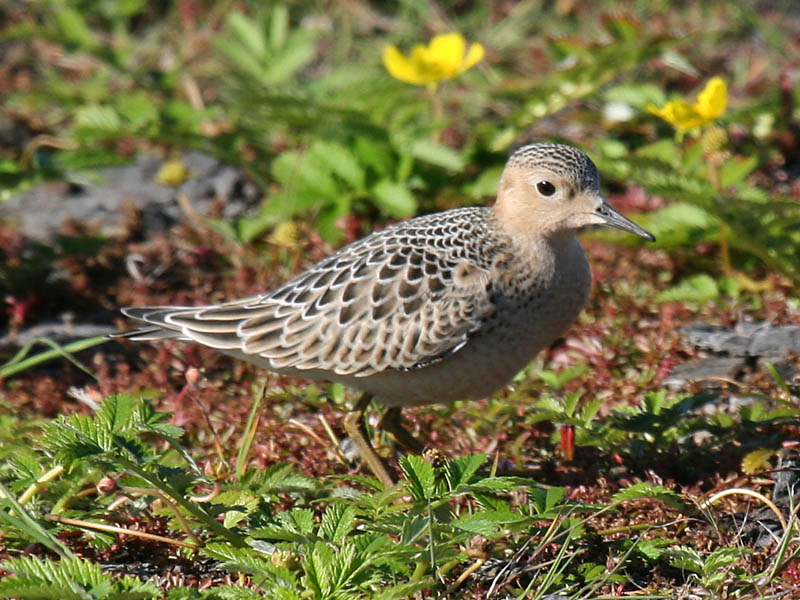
[546,188]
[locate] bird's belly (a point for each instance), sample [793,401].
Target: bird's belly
[491,357]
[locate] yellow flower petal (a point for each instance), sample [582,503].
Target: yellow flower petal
[428,70]
[400,67]
[473,57]
[713,100]
[445,57]
[447,50]
[679,114]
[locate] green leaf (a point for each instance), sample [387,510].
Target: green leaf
[679,224]
[487,522]
[698,289]
[665,150]
[278,26]
[394,199]
[138,109]
[647,490]
[305,175]
[486,185]
[241,503]
[545,499]
[685,557]
[248,34]
[337,522]
[638,95]
[330,218]
[300,520]
[376,155]
[98,118]
[735,170]
[298,51]
[341,161]
[420,475]
[437,154]
[459,471]
[73,26]
[69,578]
[281,478]
[117,412]
[414,527]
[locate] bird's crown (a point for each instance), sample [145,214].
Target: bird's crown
[567,161]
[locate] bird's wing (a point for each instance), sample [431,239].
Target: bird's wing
[401,298]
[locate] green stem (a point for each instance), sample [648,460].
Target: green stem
[179,499]
[714,176]
[437,110]
[19,363]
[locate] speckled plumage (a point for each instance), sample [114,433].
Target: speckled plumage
[432,309]
[564,160]
[399,299]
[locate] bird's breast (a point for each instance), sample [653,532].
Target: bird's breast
[533,307]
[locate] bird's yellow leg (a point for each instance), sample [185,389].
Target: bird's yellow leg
[354,426]
[392,422]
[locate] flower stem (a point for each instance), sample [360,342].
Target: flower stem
[437,110]
[713,164]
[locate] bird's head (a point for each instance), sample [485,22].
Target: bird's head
[552,189]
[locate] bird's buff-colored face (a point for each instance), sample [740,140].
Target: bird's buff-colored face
[544,197]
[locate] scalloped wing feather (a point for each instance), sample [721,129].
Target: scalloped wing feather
[398,299]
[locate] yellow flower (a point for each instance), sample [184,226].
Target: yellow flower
[445,57]
[710,104]
[713,100]
[172,173]
[286,235]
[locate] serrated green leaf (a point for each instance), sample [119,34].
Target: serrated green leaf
[647,490]
[241,502]
[138,109]
[98,118]
[665,150]
[420,475]
[698,289]
[306,176]
[685,557]
[73,27]
[545,499]
[394,199]
[637,95]
[414,528]
[486,184]
[734,170]
[299,520]
[298,51]
[377,155]
[341,161]
[437,154]
[337,522]
[460,470]
[69,578]
[487,522]
[248,33]
[278,26]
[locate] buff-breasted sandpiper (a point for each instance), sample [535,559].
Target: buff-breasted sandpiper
[437,308]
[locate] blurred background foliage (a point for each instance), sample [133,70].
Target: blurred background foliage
[295,94]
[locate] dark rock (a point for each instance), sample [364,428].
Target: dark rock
[60,332]
[40,212]
[734,349]
[751,340]
[705,369]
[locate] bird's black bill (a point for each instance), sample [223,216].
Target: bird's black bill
[613,218]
